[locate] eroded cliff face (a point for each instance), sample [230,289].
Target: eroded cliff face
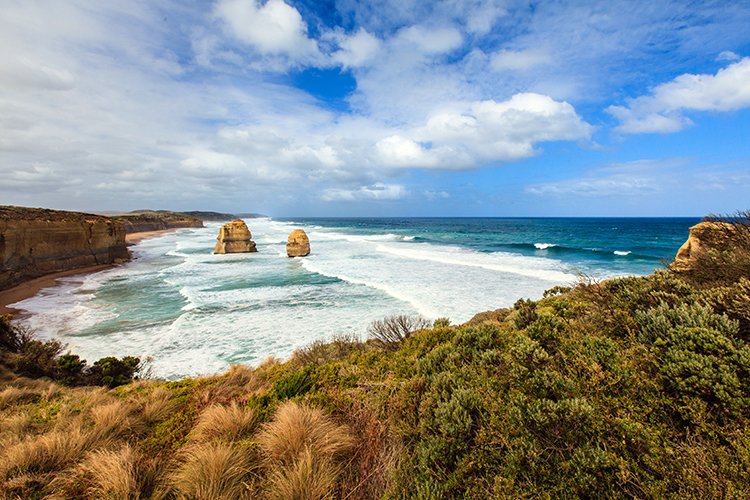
[235,237]
[702,235]
[137,222]
[35,242]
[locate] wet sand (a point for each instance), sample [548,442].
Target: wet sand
[32,287]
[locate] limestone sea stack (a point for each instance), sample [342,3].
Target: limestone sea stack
[235,237]
[702,235]
[298,244]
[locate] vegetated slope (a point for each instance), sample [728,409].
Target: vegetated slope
[634,387]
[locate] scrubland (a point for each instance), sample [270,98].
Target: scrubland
[632,387]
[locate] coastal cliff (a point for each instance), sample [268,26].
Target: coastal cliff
[35,242]
[707,234]
[156,220]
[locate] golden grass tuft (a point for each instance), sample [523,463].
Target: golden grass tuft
[298,428]
[227,423]
[309,477]
[158,405]
[238,384]
[111,474]
[48,452]
[115,420]
[214,471]
[13,395]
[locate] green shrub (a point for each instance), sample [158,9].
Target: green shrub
[525,313]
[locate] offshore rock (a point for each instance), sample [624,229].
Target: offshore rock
[35,242]
[702,236]
[235,237]
[298,244]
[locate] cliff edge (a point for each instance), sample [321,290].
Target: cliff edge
[156,220]
[35,242]
[708,234]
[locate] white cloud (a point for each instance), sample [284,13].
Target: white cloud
[728,56]
[431,41]
[522,60]
[662,110]
[483,131]
[272,28]
[377,191]
[357,49]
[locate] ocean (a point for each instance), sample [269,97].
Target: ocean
[191,312]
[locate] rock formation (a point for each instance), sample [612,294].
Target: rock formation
[235,237]
[35,242]
[298,244]
[702,235]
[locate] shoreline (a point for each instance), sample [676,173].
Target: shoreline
[33,286]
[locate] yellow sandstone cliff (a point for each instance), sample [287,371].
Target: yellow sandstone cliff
[702,235]
[35,242]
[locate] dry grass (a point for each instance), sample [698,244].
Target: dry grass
[298,428]
[239,383]
[226,423]
[310,477]
[53,451]
[14,426]
[111,474]
[115,420]
[14,395]
[214,471]
[157,406]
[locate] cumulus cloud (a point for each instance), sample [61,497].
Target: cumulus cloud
[271,28]
[356,49]
[662,111]
[484,131]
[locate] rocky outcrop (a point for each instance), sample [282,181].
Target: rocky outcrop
[703,235]
[35,242]
[156,220]
[298,244]
[235,237]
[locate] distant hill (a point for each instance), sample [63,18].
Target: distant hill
[218,216]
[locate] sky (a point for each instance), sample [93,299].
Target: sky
[377,108]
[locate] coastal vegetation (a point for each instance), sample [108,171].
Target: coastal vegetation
[630,387]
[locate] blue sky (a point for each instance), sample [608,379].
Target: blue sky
[379,108]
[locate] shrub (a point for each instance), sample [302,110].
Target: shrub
[393,330]
[293,384]
[441,323]
[525,313]
[113,372]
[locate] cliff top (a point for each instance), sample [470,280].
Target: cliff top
[9,212]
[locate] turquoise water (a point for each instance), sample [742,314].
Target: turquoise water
[193,312]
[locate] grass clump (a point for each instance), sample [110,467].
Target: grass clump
[214,470]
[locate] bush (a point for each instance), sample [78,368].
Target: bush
[113,372]
[393,330]
[525,313]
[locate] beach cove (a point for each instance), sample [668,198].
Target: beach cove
[195,313]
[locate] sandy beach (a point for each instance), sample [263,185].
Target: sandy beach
[133,238]
[32,287]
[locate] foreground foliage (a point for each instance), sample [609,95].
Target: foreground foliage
[633,387]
